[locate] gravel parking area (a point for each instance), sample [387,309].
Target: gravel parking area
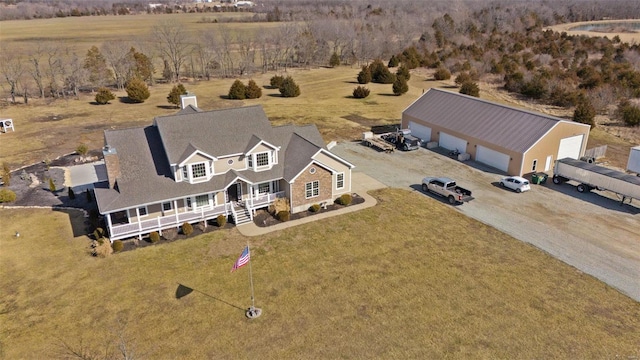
[590,231]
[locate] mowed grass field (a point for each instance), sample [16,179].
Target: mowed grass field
[46,129]
[80,33]
[369,284]
[49,128]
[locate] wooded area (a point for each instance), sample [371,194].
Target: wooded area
[499,42]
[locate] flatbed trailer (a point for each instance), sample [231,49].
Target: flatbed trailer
[371,140]
[592,176]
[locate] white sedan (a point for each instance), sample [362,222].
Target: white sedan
[516,183]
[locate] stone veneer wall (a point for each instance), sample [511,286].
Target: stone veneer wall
[298,189]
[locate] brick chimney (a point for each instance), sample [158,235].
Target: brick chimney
[112,163]
[188,99]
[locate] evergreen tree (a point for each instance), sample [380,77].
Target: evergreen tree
[253,91]
[462,78]
[96,65]
[380,73]
[364,76]
[400,86]
[393,62]
[104,95]
[276,81]
[360,92]
[237,91]
[334,60]
[628,113]
[137,90]
[470,88]
[289,88]
[442,74]
[6,174]
[174,94]
[584,113]
[142,66]
[404,72]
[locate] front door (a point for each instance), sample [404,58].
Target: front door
[547,165]
[232,192]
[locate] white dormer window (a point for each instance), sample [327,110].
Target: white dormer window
[196,172]
[261,160]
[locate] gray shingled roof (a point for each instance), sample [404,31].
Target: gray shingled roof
[217,132]
[508,127]
[146,175]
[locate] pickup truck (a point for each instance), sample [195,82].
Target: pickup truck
[403,140]
[447,188]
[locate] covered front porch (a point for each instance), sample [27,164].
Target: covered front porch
[241,200]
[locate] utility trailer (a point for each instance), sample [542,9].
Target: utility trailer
[592,176]
[371,140]
[634,160]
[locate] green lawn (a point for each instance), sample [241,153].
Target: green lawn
[392,281]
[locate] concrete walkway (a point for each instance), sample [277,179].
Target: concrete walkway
[360,184]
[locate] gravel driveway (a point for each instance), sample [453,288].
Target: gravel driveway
[590,231]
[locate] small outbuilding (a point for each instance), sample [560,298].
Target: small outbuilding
[512,140]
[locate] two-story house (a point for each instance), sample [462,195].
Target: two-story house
[196,165]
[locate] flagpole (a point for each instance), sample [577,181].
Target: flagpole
[251,278]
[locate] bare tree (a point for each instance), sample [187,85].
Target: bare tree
[173,45]
[54,63]
[119,58]
[12,69]
[224,51]
[75,75]
[247,53]
[37,60]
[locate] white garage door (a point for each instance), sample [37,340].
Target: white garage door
[420,131]
[493,158]
[570,147]
[451,142]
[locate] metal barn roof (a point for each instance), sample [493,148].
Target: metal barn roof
[508,127]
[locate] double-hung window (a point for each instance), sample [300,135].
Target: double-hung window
[312,189]
[339,180]
[142,210]
[202,200]
[166,206]
[263,188]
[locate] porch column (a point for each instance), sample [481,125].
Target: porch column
[175,211]
[139,224]
[109,224]
[159,226]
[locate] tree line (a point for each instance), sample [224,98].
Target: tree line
[474,41]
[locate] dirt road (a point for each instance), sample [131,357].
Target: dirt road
[590,231]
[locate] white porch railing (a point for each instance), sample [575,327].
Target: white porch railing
[142,227]
[160,223]
[264,199]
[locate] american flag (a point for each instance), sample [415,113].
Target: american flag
[242,260]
